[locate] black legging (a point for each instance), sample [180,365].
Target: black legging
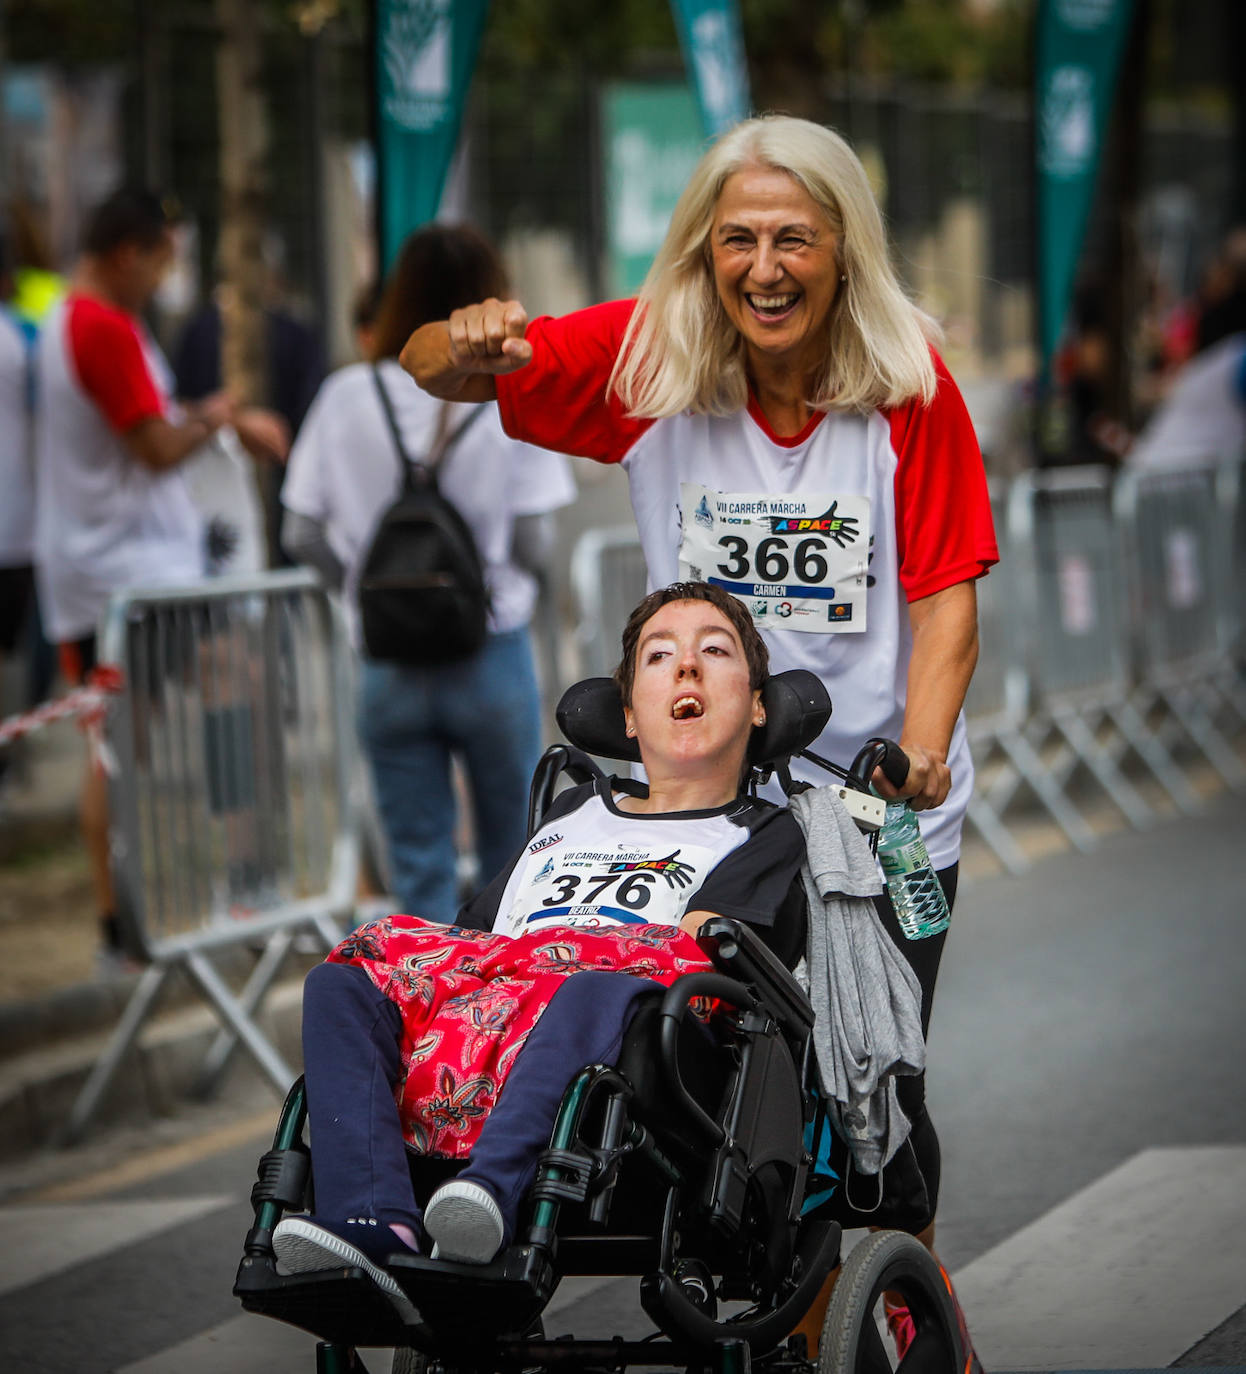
[923,957]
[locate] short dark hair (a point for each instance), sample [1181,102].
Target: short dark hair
[132,214]
[756,655]
[440,268]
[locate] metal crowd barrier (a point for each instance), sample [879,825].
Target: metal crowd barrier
[1112,638]
[1065,542]
[995,711]
[1180,531]
[608,579]
[235,798]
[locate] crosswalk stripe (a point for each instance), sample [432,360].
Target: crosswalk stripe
[1125,1275]
[1130,1272]
[38,1241]
[255,1345]
[244,1345]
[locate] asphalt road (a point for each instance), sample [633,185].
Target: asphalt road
[1087,1078]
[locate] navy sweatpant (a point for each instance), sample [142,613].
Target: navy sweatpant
[352,1065]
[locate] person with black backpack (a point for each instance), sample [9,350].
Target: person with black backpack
[431,520]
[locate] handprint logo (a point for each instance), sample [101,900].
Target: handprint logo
[676,872]
[840,529]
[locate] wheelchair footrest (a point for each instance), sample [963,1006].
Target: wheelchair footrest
[344,1306]
[341,1306]
[462,1300]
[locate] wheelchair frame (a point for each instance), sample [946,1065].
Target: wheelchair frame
[771,1026]
[713,1190]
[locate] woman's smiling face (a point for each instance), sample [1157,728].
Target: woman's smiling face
[776,267]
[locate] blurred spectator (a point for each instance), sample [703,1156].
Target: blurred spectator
[1084,369]
[36,288]
[295,364]
[363,317]
[1223,289]
[17,394]
[344,471]
[112,506]
[1203,417]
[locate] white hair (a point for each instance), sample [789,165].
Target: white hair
[681,351]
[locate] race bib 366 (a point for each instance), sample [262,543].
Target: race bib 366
[797,562]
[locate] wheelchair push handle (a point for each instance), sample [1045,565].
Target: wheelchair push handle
[881,753]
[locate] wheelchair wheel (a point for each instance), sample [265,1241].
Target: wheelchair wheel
[853,1335]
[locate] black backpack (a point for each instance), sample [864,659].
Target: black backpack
[422,594]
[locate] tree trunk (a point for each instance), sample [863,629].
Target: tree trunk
[244,157]
[1125,274]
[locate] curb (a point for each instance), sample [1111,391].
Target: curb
[156,1077]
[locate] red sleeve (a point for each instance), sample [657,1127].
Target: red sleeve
[558,400]
[944,530]
[107,355]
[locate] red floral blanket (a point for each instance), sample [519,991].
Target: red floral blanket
[469,1000]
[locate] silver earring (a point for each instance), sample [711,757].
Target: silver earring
[843,276]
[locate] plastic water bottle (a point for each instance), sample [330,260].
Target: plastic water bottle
[914,889]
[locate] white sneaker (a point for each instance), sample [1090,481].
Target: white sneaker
[304,1246]
[465,1222]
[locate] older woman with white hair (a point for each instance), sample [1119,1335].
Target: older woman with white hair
[790,434]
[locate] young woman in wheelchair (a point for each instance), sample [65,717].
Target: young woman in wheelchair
[411,1030]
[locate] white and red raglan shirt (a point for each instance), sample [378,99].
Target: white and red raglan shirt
[103,520]
[825,535]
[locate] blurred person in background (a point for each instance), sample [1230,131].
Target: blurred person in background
[344,472]
[1203,415]
[295,368]
[774,379]
[17,482]
[112,507]
[363,316]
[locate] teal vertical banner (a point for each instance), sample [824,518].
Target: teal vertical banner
[651,142]
[709,33]
[425,54]
[1077,58]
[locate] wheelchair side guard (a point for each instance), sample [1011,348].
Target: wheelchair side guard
[737,952]
[284,1172]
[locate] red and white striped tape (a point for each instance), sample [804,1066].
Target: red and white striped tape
[87,704]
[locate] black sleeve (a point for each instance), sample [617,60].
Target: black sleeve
[482,910]
[751,883]
[197,358]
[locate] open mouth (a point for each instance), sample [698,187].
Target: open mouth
[772,307]
[687,708]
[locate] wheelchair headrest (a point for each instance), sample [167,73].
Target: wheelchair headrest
[590,715]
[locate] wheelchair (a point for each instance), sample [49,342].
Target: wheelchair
[688,1165]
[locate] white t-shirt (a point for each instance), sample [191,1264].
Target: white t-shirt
[103,521]
[1203,418]
[17,480]
[826,535]
[221,478]
[344,473]
[594,865]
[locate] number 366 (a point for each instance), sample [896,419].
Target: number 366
[772,559]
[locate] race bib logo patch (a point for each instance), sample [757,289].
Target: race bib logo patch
[841,528]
